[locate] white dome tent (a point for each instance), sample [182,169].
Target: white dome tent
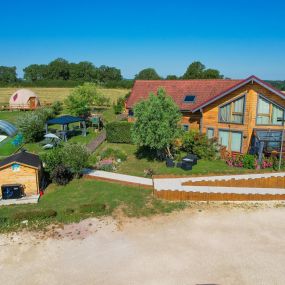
[24,99]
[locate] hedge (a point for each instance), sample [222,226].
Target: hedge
[119,132]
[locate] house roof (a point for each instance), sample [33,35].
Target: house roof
[205,91]
[22,157]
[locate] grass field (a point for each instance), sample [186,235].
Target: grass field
[49,95]
[136,166]
[82,199]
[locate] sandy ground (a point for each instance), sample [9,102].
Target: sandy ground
[201,245]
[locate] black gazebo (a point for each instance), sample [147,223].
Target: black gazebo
[64,121]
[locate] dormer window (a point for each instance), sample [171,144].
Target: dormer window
[189,98]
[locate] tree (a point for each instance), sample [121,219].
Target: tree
[58,69]
[194,71]
[83,71]
[197,70]
[81,99]
[212,74]
[147,74]
[171,77]
[35,72]
[8,74]
[156,124]
[107,73]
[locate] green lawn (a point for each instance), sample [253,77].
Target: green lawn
[11,117]
[6,147]
[84,198]
[135,166]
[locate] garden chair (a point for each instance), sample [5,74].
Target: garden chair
[169,162]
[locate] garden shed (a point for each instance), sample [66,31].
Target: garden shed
[22,168]
[24,99]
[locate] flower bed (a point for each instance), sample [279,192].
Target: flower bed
[248,161]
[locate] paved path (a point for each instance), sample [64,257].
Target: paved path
[119,177]
[94,144]
[175,184]
[25,200]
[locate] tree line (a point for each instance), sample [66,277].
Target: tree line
[62,73]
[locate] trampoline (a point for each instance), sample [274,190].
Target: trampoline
[8,128]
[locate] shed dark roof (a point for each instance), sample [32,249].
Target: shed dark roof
[64,120]
[24,158]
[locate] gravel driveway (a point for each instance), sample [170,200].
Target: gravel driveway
[201,245]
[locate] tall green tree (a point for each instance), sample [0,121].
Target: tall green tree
[82,98]
[107,73]
[8,74]
[156,124]
[197,70]
[147,74]
[35,72]
[83,71]
[58,69]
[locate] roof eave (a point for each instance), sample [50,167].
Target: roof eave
[237,86]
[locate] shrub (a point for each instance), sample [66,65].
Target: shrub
[119,132]
[61,175]
[72,156]
[75,157]
[57,107]
[31,124]
[34,214]
[249,161]
[199,144]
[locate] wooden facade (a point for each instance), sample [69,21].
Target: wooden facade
[28,176]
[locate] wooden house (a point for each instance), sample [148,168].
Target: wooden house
[22,168]
[239,113]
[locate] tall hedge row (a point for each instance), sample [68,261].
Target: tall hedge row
[119,132]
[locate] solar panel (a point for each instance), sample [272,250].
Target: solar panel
[189,98]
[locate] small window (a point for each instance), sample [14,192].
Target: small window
[231,140]
[210,133]
[185,128]
[131,113]
[189,99]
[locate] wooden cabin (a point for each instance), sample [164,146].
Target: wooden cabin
[22,168]
[239,113]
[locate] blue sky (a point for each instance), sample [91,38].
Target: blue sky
[240,38]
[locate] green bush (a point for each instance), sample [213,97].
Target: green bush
[34,214]
[119,132]
[249,161]
[31,124]
[199,144]
[57,107]
[61,175]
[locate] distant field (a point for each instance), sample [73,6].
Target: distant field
[50,95]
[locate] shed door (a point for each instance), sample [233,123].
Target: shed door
[32,102]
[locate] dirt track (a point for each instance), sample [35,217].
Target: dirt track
[213,246]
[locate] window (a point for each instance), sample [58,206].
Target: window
[189,99]
[231,140]
[185,128]
[268,113]
[210,133]
[233,112]
[131,113]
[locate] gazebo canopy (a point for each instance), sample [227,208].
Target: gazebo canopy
[64,120]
